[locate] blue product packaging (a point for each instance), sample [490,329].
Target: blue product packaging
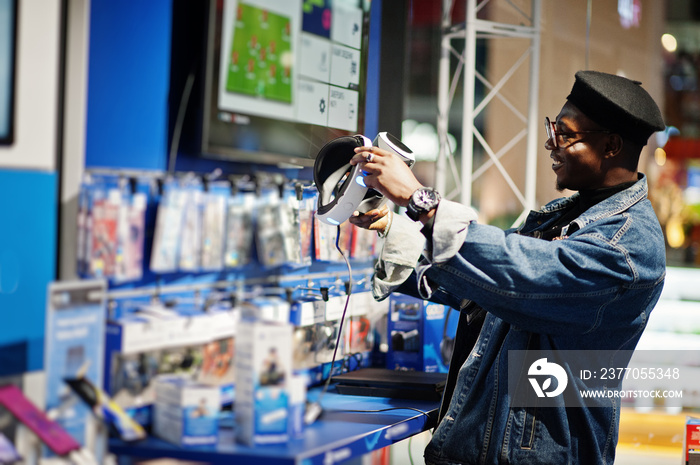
[421,334]
[263,381]
[186,412]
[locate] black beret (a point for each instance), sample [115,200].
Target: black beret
[618,104]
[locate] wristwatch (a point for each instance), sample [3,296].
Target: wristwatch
[422,201]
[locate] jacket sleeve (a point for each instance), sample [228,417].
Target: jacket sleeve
[401,251]
[537,285]
[404,245]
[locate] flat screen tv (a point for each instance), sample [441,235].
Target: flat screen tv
[8,38]
[282,78]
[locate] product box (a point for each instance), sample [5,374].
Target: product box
[313,335]
[185,412]
[273,309]
[691,441]
[421,334]
[307,312]
[144,344]
[297,405]
[263,373]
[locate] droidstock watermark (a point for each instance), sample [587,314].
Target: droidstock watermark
[594,378]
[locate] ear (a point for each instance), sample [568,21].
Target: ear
[613,145]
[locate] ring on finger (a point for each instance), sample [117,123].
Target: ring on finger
[369,157]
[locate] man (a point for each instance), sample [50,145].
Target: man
[582,274]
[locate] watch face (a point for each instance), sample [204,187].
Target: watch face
[422,201]
[425,199]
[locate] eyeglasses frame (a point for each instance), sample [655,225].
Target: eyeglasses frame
[552,132]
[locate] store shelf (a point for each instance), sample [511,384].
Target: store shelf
[351,426]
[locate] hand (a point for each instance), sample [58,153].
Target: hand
[387,174]
[374,220]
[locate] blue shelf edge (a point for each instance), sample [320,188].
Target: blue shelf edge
[351,426]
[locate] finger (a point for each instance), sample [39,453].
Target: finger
[365,155]
[367,221]
[377,212]
[359,157]
[371,178]
[380,224]
[357,216]
[369,217]
[375,150]
[362,224]
[361,220]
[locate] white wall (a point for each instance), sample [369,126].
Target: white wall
[73,162]
[36,87]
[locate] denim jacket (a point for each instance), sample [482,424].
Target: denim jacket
[592,290]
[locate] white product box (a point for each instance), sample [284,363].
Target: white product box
[139,345]
[263,378]
[272,309]
[185,413]
[297,405]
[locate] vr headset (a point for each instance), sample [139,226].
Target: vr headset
[341,186]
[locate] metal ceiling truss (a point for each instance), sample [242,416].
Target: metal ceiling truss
[469,31]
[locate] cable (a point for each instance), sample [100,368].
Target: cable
[342,317]
[314,410]
[177,129]
[427,415]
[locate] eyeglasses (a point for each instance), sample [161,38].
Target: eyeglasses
[560,139]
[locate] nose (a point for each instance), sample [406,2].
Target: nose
[549,144]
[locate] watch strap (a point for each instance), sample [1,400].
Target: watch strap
[412,211]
